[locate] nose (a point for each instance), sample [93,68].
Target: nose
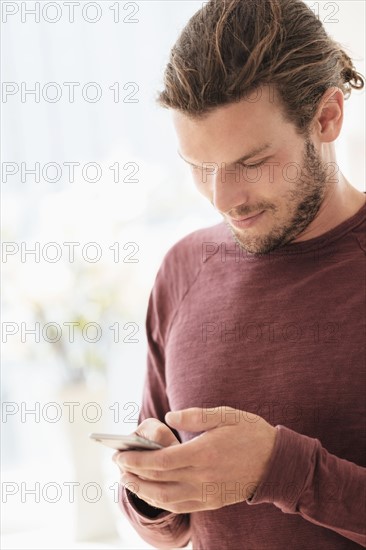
[229,189]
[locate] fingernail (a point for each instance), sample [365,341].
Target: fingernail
[173,416]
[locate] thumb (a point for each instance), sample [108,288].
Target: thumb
[197,419]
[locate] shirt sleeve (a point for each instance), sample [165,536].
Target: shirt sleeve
[303,478]
[165,529]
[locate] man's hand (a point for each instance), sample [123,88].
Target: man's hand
[221,466]
[153,429]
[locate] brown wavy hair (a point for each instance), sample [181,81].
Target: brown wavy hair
[229,48]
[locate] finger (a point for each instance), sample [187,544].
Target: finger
[180,474]
[116,459]
[196,419]
[153,429]
[161,494]
[115,456]
[187,506]
[183,455]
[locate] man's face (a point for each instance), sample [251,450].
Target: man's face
[287,189]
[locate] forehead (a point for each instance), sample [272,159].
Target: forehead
[231,128]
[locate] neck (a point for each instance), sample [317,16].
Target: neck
[341,202]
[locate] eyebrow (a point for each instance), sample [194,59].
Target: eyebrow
[249,155]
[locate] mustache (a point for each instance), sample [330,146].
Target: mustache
[244,212]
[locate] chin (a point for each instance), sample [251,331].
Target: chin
[260,243]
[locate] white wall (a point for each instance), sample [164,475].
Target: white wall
[153,212]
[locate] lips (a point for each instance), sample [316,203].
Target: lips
[248,218]
[246,222]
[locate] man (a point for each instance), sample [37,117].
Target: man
[255,326]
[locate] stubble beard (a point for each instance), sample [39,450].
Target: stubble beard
[304,200]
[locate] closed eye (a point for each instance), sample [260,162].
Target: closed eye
[195,167]
[251,165]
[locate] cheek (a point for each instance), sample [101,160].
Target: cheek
[272,176]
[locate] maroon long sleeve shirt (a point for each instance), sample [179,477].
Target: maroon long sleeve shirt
[280,335]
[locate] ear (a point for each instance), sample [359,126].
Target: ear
[328,121]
